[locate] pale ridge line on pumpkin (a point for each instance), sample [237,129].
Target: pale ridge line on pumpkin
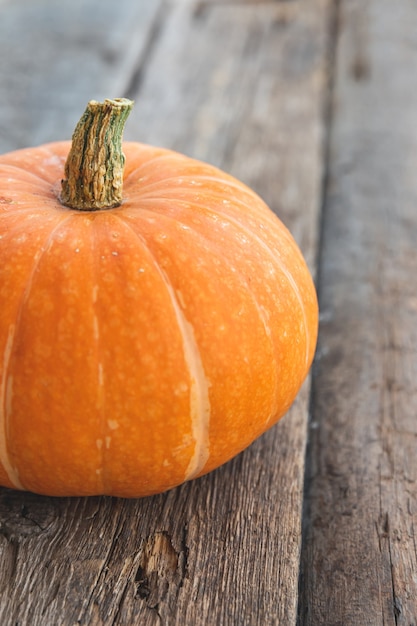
[287,275]
[5,460]
[5,407]
[199,394]
[258,210]
[176,158]
[12,211]
[100,397]
[246,284]
[281,265]
[225,182]
[28,177]
[270,252]
[200,407]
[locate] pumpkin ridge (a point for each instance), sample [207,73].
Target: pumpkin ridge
[13,212]
[199,395]
[265,246]
[27,175]
[238,272]
[132,177]
[229,181]
[219,210]
[260,210]
[5,459]
[287,275]
[167,154]
[100,472]
[49,160]
[4,454]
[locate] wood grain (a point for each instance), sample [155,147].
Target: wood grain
[241,86]
[55,56]
[360,556]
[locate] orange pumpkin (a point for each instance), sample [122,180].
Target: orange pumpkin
[145,344]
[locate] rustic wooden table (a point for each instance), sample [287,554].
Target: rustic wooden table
[313,103]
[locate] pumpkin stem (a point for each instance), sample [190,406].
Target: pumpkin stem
[95,163]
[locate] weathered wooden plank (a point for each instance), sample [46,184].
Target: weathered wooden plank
[242,87]
[360,561]
[55,56]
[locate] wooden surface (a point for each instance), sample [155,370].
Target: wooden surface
[314,104]
[360,561]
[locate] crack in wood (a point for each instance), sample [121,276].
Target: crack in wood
[160,568]
[396,602]
[333,33]
[25,515]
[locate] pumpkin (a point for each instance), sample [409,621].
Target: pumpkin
[148,333]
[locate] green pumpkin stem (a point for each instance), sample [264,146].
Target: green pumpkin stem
[95,163]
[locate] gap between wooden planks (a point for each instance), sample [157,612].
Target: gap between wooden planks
[360,554]
[242,87]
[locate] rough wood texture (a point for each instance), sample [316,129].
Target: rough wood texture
[360,560]
[241,86]
[55,56]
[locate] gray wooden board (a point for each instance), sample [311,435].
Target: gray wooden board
[55,56]
[242,87]
[360,558]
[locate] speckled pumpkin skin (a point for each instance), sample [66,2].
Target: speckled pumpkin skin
[147,344]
